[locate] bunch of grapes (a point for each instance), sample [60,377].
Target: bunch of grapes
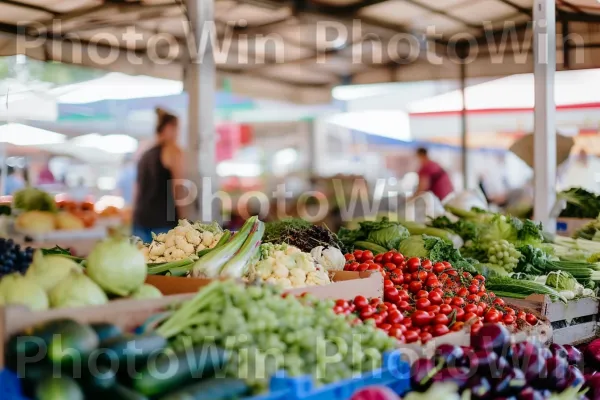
[13,258]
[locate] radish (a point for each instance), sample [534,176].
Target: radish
[375,393]
[592,354]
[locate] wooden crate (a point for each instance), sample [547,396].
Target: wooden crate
[561,316]
[345,285]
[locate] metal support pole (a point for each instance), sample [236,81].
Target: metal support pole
[544,40]
[200,76]
[463,121]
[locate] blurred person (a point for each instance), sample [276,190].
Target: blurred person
[14,181]
[156,187]
[127,179]
[432,177]
[45,176]
[581,172]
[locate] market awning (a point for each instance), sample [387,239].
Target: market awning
[311,46]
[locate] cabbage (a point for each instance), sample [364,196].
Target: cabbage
[117,266]
[561,280]
[414,246]
[388,237]
[49,270]
[17,289]
[146,292]
[77,290]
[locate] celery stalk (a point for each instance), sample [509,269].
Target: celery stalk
[238,265]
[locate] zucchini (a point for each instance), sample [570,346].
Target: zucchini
[178,370]
[106,331]
[120,349]
[72,344]
[212,389]
[63,388]
[510,285]
[510,295]
[375,248]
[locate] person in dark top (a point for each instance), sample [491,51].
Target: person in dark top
[156,188]
[432,177]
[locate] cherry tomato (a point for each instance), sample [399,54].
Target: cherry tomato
[407,322]
[384,326]
[389,266]
[438,268]
[480,278]
[510,311]
[432,282]
[395,317]
[438,290]
[473,298]
[521,315]
[441,319]
[460,313]
[367,255]
[458,301]
[403,305]
[396,333]
[349,257]
[445,309]
[396,276]
[432,309]
[388,284]
[492,316]
[360,302]
[421,303]
[415,286]
[447,300]
[375,301]
[470,308]
[358,254]
[341,303]
[435,298]
[531,319]
[440,330]
[391,294]
[363,267]
[378,258]
[452,272]
[339,310]
[413,264]
[508,319]
[422,294]
[403,295]
[470,316]
[426,328]
[411,336]
[352,266]
[499,302]
[421,318]
[462,292]
[483,305]
[387,257]
[426,265]
[425,337]
[447,264]
[397,258]
[474,289]
[476,327]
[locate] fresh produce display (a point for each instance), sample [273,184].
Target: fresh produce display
[159,372]
[46,221]
[580,203]
[13,258]
[301,234]
[184,241]
[494,368]
[423,299]
[295,328]
[115,267]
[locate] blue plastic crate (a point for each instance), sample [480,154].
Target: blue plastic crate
[394,374]
[10,386]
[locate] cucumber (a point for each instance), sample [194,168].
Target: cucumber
[32,375]
[116,392]
[212,389]
[510,295]
[62,388]
[519,287]
[139,347]
[375,248]
[178,369]
[100,377]
[72,344]
[106,331]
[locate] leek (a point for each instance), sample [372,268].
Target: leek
[238,265]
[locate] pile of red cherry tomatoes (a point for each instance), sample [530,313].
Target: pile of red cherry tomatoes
[423,300]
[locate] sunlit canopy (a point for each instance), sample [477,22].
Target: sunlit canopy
[23,135]
[116,144]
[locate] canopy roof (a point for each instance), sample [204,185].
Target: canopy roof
[303,56]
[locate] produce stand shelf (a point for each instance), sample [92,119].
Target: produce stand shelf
[345,285]
[572,323]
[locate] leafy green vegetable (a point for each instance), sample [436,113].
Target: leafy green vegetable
[384,233]
[300,233]
[468,230]
[561,280]
[532,261]
[33,199]
[502,228]
[435,249]
[580,203]
[490,270]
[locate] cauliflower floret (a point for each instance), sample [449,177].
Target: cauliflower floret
[330,258]
[146,253]
[284,283]
[264,269]
[292,250]
[157,249]
[193,237]
[207,238]
[297,277]
[178,254]
[181,230]
[183,245]
[271,281]
[281,271]
[318,278]
[169,253]
[170,239]
[161,237]
[200,247]
[304,261]
[160,260]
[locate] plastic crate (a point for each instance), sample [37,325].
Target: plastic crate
[10,386]
[394,374]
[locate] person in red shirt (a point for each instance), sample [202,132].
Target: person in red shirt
[432,177]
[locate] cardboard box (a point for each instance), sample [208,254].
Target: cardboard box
[127,314]
[561,316]
[568,226]
[346,285]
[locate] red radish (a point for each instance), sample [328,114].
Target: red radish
[375,393]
